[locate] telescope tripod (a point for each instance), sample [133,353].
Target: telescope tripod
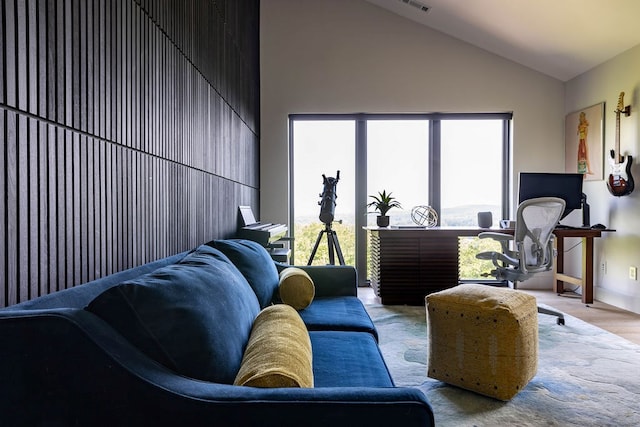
[332,242]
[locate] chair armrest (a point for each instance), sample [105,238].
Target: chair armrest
[501,237]
[498,258]
[330,280]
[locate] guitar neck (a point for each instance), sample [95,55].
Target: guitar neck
[617,147]
[619,109]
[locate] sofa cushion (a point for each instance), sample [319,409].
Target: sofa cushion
[194,317]
[296,288]
[279,351]
[338,314]
[80,296]
[347,359]
[254,263]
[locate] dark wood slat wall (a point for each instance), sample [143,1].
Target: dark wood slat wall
[129,132]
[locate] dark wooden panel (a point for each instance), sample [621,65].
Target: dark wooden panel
[128,131]
[49,55]
[11,199]
[3,46]
[61,207]
[22,211]
[109,254]
[52,243]
[22,55]
[10,54]
[100,185]
[32,55]
[32,212]
[4,247]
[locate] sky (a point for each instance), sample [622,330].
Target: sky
[397,162]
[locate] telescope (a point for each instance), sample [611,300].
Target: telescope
[328,198]
[327,210]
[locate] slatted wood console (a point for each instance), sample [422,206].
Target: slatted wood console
[408,263]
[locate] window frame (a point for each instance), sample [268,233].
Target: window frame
[434,162]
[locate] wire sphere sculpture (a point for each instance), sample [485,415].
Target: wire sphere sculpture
[424,215]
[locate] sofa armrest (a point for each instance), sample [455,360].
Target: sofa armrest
[68,367]
[330,280]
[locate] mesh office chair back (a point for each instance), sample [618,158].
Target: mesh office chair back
[535,222]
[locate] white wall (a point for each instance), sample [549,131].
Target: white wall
[345,56]
[621,249]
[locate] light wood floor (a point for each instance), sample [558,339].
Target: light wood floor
[615,320]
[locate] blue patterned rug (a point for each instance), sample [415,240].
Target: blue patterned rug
[586,376]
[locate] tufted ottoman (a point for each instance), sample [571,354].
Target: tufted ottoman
[483,338]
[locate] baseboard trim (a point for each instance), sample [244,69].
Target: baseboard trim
[617,299]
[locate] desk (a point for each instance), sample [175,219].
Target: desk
[408,263]
[586,279]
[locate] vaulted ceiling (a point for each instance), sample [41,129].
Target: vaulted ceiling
[560,38]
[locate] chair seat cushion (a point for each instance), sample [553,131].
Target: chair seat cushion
[347,359]
[338,314]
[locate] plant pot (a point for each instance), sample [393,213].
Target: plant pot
[382,221]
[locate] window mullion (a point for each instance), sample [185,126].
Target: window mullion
[435,166]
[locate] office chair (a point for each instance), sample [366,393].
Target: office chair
[532,250]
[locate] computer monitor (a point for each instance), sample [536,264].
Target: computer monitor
[567,186]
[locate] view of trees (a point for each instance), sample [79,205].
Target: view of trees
[307,234]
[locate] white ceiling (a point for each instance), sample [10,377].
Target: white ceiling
[560,38]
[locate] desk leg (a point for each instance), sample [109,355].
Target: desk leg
[558,285]
[587,270]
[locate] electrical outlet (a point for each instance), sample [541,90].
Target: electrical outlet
[603,267]
[633,273]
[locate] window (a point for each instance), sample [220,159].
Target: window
[398,162]
[322,148]
[455,163]
[472,170]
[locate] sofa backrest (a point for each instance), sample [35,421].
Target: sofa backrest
[194,317]
[81,295]
[255,264]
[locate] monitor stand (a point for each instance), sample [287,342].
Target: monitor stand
[586,212]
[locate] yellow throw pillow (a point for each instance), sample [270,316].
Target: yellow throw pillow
[278,353]
[296,288]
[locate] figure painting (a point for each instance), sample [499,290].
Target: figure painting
[584,142]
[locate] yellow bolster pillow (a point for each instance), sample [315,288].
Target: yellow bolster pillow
[296,288]
[278,353]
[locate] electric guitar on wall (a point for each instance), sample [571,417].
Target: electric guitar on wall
[620,182]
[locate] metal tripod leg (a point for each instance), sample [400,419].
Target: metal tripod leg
[333,241]
[333,246]
[315,247]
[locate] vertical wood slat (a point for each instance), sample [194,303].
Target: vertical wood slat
[52,219]
[22,208]
[124,138]
[4,247]
[2,76]
[11,234]
[33,208]
[61,225]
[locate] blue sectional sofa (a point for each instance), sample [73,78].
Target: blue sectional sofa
[161,344]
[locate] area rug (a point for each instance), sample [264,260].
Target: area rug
[586,376]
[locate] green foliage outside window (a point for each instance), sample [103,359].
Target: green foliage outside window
[470,266]
[307,234]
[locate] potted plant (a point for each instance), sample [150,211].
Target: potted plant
[382,202]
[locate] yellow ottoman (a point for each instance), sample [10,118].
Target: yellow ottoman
[483,338]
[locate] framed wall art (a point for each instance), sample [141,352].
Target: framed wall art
[584,142]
